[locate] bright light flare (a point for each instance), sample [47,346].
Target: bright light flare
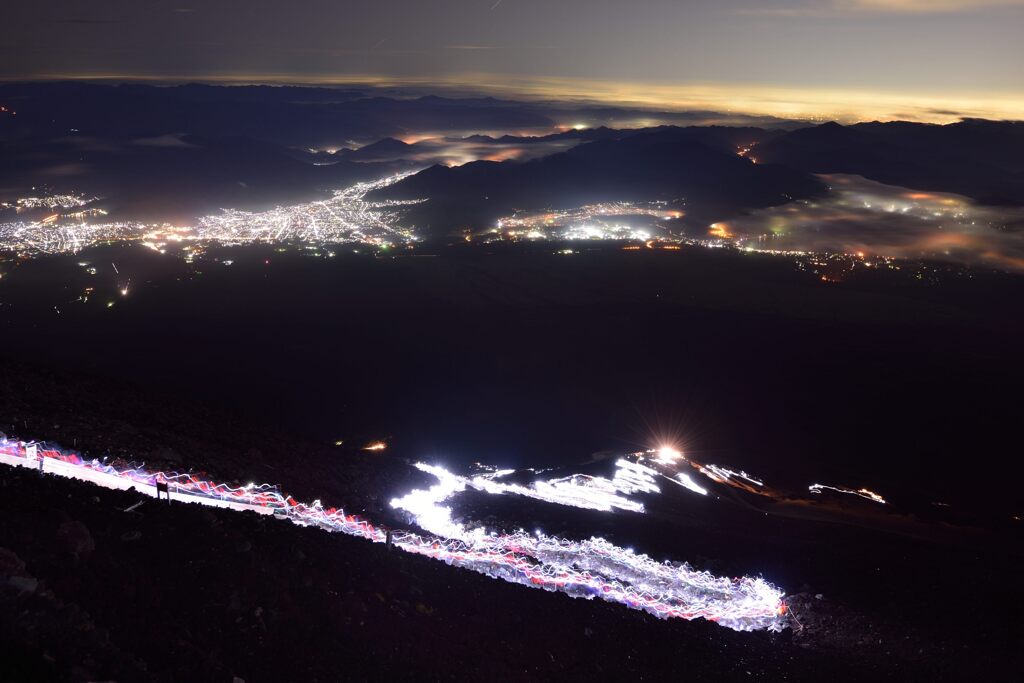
[668,455]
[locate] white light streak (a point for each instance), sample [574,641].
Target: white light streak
[863,493]
[687,481]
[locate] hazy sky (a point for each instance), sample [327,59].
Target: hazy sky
[943,48]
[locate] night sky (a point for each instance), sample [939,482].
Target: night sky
[961,54]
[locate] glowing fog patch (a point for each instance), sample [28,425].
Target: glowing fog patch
[878,223]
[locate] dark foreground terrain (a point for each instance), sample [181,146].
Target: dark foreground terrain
[182,593]
[91,591]
[903,381]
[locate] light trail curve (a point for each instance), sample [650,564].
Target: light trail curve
[593,568]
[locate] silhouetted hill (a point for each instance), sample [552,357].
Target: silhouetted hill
[685,165]
[383,150]
[976,158]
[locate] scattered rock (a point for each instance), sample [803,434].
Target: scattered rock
[75,537]
[10,563]
[26,584]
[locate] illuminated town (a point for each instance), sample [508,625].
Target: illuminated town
[850,228]
[347,217]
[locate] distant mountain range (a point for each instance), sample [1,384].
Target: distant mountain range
[698,168]
[177,152]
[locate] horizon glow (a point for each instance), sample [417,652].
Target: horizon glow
[728,99]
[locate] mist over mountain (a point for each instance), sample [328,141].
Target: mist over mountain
[983,160]
[176,152]
[724,137]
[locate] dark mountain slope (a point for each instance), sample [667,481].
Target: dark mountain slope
[385,149]
[671,165]
[174,177]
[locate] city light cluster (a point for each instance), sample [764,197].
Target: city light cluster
[42,237]
[588,569]
[57,201]
[347,217]
[859,224]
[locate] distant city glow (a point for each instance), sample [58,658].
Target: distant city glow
[347,217]
[606,221]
